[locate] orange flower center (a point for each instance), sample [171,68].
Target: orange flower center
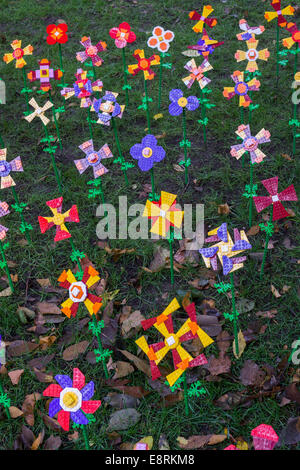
[18,53]
[144,64]
[91,51]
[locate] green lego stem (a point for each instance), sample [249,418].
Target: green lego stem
[85,437]
[22,217]
[203,115]
[266,248]
[6,268]
[186,178]
[61,63]
[171,240]
[90,124]
[5,407]
[56,172]
[101,349]
[295,104]
[125,75]
[277,53]
[234,316]
[78,261]
[25,86]
[119,148]
[251,198]
[147,106]
[55,122]
[160,81]
[186,397]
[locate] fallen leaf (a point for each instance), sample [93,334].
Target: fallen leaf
[197,442]
[268,314]
[132,324]
[122,369]
[28,407]
[254,230]
[15,375]
[72,352]
[163,443]
[139,363]
[53,443]
[251,374]
[44,282]
[241,345]
[123,419]
[275,291]
[20,347]
[48,308]
[121,401]
[244,305]
[291,433]
[223,209]
[43,377]
[37,442]
[292,392]
[15,412]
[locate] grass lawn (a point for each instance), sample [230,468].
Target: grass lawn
[214,178]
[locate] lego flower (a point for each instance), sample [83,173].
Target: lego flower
[163,213]
[205,46]
[197,73]
[7,167]
[79,292]
[39,111]
[249,32]
[144,64]
[57,33]
[122,35]
[275,198]
[107,107]
[203,18]
[44,74]
[292,28]
[91,52]
[250,143]
[147,153]
[18,54]
[72,399]
[83,89]
[241,88]
[58,219]
[252,55]
[93,158]
[160,39]
[279,13]
[178,102]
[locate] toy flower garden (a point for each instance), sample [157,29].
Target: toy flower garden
[157,307]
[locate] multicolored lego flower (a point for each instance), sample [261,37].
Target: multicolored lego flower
[91,52]
[275,198]
[241,88]
[39,112]
[58,219]
[203,18]
[122,35]
[3,211]
[160,39]
[178,102]
[197,73]
[264,437]
[163,213]
[79,292]
[83,88]
[249,32]
[107,108]
[292,28]
[144,64]
[252,55]
[57,33]
[72,399]
[147,153]
[279,13]
[173,342]
[205,46]
[250,143]
[44,74]
[225,249]
[7,167]
[18,54]
[93,158]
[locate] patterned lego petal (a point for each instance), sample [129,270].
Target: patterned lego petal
[79,418]
[54,407]
[78,379]
[52,390]
[241,245]
[87,392]
[63,380]
[63,418]
[209,252]
[222,232]
[90,406]
[227,265]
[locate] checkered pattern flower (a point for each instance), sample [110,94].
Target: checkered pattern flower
[178,102]
[203,18]
[241,88]
[39,111]
[225,249]
[93,158]
[79,292]
[107,107]
[292,28]
[205,46]
[249,32]
[18,54]
[250,143]
[160,39]
[91,52]
[122,35]
[57,33]
[279,13]
[197,73]
[173,342]
[147,153]
[58,219]
[83,89]
[7,167]
[3,211]
[44,74]
[252,55]
[72,399]
[275,198]
[144,64]
[163,214]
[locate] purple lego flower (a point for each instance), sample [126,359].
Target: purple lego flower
[178,102]
[147,153]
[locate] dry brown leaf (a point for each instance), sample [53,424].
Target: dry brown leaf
[268,314]
[48,308]
[122,369]
[44,282]
[132,324]
[241,345]
[28,407]
[37,442]
[72,352]
[15,412]
[42,376]
[139,363]
[20,347]
[46,341]
[275,291]
[254,230]
[251,374]
[197,442]
[15,375]
[223,209]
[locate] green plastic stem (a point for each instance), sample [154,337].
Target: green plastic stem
[160,80]
[61,64]
[266,248]
[85,437]
[102,195]
[56,172]
[277,53]
[171,240]
[55,122]
[186,177]
[6,408]
[25,86]
[186,397]
[152,182]
[101,348]
[119,148]
[234,316]
[90,124]
[295,104]
[2,142]
[251,198]
[147,106]
[22,217]
[74,249]
[125,75]
[6,268]
[203,114]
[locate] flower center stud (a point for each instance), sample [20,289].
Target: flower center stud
[91,51]
[172,342]
[182,102]
[241,88]
[275,198]
[93,158]
[77,292]
[252,54]
[18,53]
[147,152]
[70,399]
[251,144]
[144,64]
[58,219]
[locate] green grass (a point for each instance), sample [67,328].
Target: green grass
[221,177]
